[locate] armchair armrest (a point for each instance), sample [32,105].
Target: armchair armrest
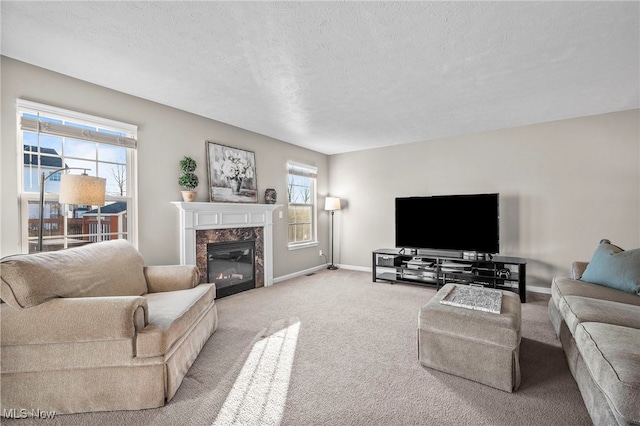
[577,269]
[74,320]
[171,277]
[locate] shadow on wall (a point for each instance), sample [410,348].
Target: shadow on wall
[509,224]
[540,274]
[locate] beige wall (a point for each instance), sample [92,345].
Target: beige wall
[564,185]
[165,135]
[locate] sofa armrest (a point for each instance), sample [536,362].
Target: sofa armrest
[74,320]
[171,277]
[577,269]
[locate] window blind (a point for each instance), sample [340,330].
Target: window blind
[301,170]
[57,129]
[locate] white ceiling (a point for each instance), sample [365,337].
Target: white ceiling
[343,76]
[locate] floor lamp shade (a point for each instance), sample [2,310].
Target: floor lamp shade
[332,203]
[82,189]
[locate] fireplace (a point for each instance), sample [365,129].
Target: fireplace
[205,223]
[231,266]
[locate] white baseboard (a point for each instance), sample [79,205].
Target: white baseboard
[300,273]
[355,268]
[543,290]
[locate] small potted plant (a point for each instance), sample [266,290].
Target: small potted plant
[188,180]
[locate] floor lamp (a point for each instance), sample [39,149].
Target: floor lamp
[332,204]
[74,189]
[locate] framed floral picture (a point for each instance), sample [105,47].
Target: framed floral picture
[232,174]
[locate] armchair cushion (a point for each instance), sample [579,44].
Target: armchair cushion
[110,268]
[171,315]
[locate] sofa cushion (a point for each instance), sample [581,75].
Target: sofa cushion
[613,267]
[110,268]
[171,316]
[611,355]
[577,309]
[562,287]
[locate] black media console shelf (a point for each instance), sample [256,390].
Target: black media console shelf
[432,268]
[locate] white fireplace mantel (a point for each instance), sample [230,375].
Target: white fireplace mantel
[196,216]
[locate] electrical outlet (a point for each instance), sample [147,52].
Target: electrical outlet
[320,252]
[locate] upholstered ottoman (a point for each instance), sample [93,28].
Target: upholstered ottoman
[479,346]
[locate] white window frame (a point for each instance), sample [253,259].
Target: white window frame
[25,197]
[314,207]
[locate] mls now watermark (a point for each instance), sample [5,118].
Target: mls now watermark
[23,413]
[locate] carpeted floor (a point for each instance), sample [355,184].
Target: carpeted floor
[334,348]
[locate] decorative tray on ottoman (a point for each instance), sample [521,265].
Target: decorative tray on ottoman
[474,297]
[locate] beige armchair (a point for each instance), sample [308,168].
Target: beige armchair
[92,329]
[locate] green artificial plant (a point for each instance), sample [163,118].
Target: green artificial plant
[188,180]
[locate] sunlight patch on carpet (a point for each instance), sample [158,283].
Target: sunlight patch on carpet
[259,393]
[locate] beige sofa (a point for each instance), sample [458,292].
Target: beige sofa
[599,328]
[93,329]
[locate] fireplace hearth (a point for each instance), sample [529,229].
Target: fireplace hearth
[231,266]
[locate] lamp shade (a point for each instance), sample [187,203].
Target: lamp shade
[82,189]
[332,203]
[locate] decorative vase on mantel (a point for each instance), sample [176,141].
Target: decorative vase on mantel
[270,196]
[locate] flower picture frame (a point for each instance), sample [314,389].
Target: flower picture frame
[232,174]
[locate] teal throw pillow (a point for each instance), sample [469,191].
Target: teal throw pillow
[614,267]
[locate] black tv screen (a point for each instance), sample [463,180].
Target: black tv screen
[449,222]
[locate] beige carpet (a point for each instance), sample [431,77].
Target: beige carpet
[335,348]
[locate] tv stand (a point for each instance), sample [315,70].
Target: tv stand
[437,268]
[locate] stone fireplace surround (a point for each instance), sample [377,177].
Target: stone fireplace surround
[202,223]
[206,236]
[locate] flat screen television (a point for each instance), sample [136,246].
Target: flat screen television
[467,223]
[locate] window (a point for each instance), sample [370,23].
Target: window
[51,138]
[301,197]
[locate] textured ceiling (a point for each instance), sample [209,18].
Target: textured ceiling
[342,76]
